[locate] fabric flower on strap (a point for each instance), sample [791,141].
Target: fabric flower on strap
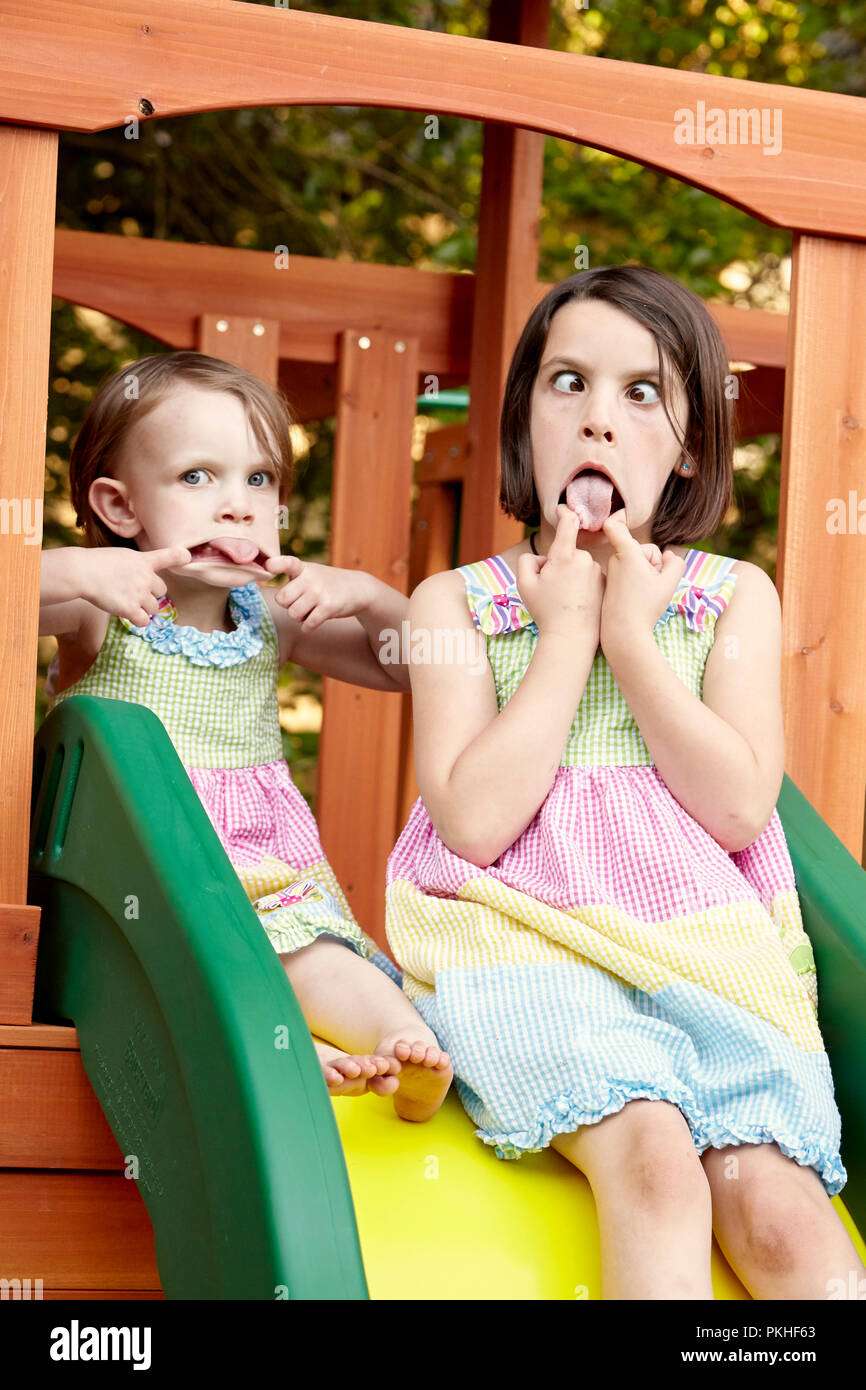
[208,648]
[496,612]
[700,605]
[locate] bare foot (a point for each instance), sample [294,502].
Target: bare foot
[353,1074]
[426,1071]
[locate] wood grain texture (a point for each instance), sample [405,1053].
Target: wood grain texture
[28,173]
[76,1231]
[51,1117]
[359,749]
[77,66]
[19,938]
[251,343]
[820,573]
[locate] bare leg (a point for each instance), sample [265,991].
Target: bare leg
[353,1004]
[652,1199]
[777,1226]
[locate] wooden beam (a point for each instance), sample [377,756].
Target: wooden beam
[76,66]
[164,287]
[28,176]
[51,1117]
[822,533]
[359,750]
[76,1230]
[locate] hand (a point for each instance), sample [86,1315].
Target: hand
[315,593]
[563,589]
[127,582]
[638,585]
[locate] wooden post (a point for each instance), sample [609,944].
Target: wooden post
[251,343]
[822,532]
[506,288]
[28,173]
[359,752]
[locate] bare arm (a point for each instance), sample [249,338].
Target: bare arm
[722,757]
[61,606]
[484,774]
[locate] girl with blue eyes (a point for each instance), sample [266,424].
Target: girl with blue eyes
[180,476]
[593,901]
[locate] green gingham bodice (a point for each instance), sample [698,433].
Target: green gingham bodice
[604,731]
[215,693]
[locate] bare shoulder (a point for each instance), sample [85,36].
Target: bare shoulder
[754,598]
[441,595]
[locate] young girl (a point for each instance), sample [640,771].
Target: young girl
[593,901]
[181,470]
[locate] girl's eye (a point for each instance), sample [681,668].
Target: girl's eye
[266,474]
[190,473]
[640,385]
[559,374]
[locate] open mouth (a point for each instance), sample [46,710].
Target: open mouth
[230,550]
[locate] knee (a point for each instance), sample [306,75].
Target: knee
[659,1163]
[776,1238]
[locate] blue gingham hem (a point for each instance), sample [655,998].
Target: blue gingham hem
[564,1115]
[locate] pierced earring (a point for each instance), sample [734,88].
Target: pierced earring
[686,467]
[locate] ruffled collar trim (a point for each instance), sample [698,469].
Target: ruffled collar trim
[246,607]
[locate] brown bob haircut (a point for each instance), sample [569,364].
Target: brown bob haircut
[692,507]
[113,413]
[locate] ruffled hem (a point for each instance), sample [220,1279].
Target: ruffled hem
[565,1114]
[208,648]
[293,938]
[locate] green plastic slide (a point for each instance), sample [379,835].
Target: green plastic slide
[193,1040]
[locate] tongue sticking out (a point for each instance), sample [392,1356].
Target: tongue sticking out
[589,495]
[234,548]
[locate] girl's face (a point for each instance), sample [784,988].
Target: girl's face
[596,400]
[191,472]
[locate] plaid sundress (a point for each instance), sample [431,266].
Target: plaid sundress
[216,695]
[616,951]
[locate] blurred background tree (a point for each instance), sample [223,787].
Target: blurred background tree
[363,184]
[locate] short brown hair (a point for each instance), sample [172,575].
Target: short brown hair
[113,413]
[687,336]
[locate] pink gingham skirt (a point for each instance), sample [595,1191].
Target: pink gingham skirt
[270,835]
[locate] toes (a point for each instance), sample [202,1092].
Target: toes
[422,1054]
[383,1085]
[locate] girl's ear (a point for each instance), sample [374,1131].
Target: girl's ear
[109,499]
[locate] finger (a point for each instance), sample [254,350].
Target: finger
[566,534]
[529,565]
[289,593]
[301,608]
[139,617]
[170,557]
[616,530]
[284,564]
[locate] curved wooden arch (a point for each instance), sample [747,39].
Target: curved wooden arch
[71,66]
